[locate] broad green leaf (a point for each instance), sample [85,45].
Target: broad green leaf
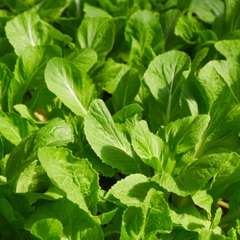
[51,10]
[14,128]
[144,26]
[231,17]
[164,78]
[110,74]
[158,214]
[202,174]
[219,84]
[146,221]
[168,21]
[31,178]
[230,49]
[168,182]
[132,223]
[189,221]
[147,145]
[184,135]
[27,29]
[219,76]
[56,133]
[92,11]
[115,7]
[203,200]
[206,10]
[72,175]
[228,173]
[188,28]
[199,173]
[83,59]
[144,32]
[97,33]
[29,71]
[32,62]
[47,229]
[107,141]
[72,86]
[209,235]
[131,190]
[127,112]
[77,224]
[184,140]
[126,90]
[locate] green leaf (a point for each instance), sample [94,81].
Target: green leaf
[107,141]
[144,32]
[209,235]
[219,76]
[203,200]
[145,28]
[206,10]
[164,78]
[97,33]
[126,90]
[72,86]
[127,112]
[29,71]
[133,220]
[56,133]
[197,174]
[106,217]
[6,78]
[230,49]
[92,11]
[190,220]
[184,135]
[27,29]
[51,10]
[7,211]
[47,229]
[147,145]
[75,221]
[158,214]
[146,221]
[14,128]
[217,218]
[188,28]
[31,178]
[231,17]
[228,174]
[25,112]
[72,175]
[83,59]
[168,21]
[131,190]
[110,74]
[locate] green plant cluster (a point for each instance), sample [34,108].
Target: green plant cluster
[119,119]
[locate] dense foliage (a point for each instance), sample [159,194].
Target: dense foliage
[120,119]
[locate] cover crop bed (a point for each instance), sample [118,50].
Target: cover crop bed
[119,119]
